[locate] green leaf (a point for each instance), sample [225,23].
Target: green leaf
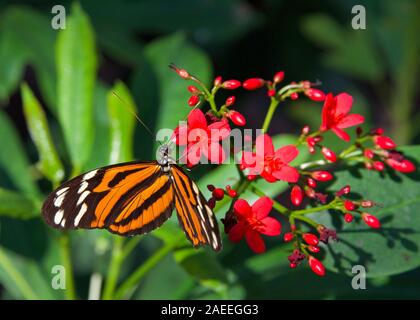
[26,37]
[169,102]
[49,162]
[13,159]
[13,204]
[394,247]
[121,107]
[343,46]
[76,71]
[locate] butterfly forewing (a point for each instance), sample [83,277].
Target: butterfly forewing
[132,198]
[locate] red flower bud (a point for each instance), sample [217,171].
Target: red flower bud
[231,192]
[271,93]
[404,166]
[321,175]
[384,142]
[368,153]
[329,154]
[305,130]
[310,239]
[251,177]
[296,195]
[359,131]
[193,100]
[217,81]
[371,220]
[344,190]
[253,83]
[315,94]
[316,266]
[310,141]
[211,202]
[377,131]
[312,183]
[349,205]
[348,217]
[314,249]
[367,204]
[294,96]
[237,118]
[378,165]
[211,187]
[292,265]
[278,77]
[288,237]
[218,194]
[231,84]
[310,192]
[181,72]
[230,100]
[193,89]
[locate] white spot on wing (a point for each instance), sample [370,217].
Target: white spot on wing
[63,223]
[90,175]
[82,197]
[214,239]
[210,214]
[58,216]
[62,190]
[82,187]
[195,188]
[59,200]
[79,216]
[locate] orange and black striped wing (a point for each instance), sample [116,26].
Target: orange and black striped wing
[127,199]
[194,215]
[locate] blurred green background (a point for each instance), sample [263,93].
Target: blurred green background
[126,46]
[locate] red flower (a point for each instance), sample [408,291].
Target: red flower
[254,221]
[271,165]
[202,139]
[336,117]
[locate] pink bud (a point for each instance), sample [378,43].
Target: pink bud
[278,77]
[231,84]
[315,94]
[371,220]
[329,154]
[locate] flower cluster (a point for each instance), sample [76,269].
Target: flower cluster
[204,131]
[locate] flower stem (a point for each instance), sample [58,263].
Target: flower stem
[144,268]
[314,209]
[114,268]
[64,242]
[269,116]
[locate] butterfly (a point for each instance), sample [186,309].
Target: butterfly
[134,198]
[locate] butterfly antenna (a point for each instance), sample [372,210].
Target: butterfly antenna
[134,114]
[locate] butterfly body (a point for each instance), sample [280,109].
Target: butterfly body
[133,198]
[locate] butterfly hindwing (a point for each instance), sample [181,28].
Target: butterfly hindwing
[194,215]
[118,198]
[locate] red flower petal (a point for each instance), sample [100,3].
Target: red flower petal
[327,112]
[214,152]
[219,130]
[262,207]
[341,134]
[351,120]
[255,241]
[287,173]
[237,232]
[242,208]
[271,227]
[287,153]
[196,119]
[344,101]
[194,154]
[264,141]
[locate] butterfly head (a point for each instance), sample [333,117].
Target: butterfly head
[164,158]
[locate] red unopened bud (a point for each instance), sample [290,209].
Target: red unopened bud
[193,100]
[349,205]
[231,192]
[217,81]
[181,72]
[193,89]
[344,190]
[211,187]
[404,166]
[377,131]
[218,194]
[384,142]
[367,204]
[321,175]
[251,177]
[292,265]
[294,96]
[310,192]
[348,217]
[211,202]
[314,249]
[230,100]
[305,130]
[288,237]
[315,94]
[312,183]
[329,154]
[371,220]
[237,118]
[231,84]
[278,77]
[310,238]
[316,266]
[296,195]
[253,83]
[368,153]
[271,93]
[378,165]
[310,141]
[359,131]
